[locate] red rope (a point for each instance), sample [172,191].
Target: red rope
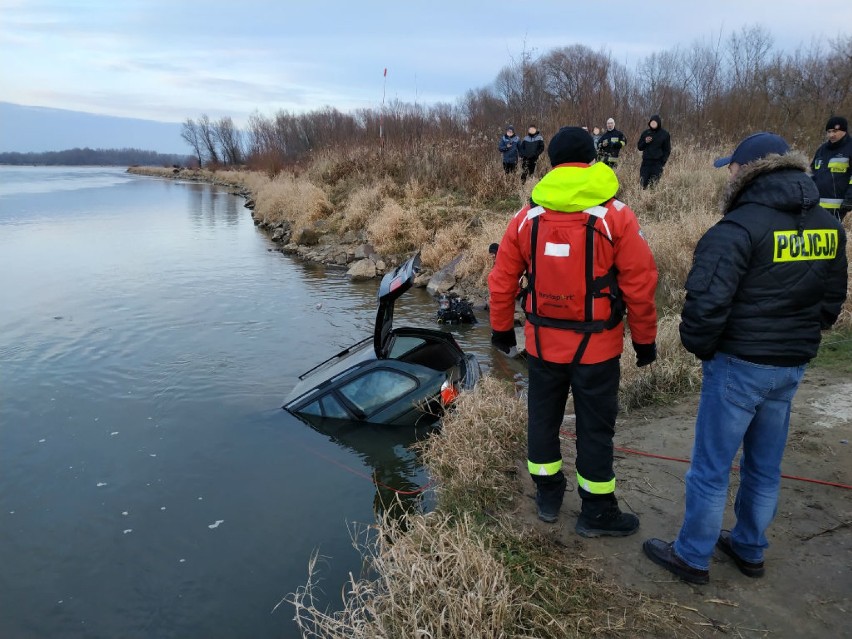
[642,453]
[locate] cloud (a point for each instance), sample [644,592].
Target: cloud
[136,56]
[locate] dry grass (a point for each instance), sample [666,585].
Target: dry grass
[397,230]
[361,206]
[488,430]
[290,199]
[435,578]
[468,569]
[844,322]
[675,372]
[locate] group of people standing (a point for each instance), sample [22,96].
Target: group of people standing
[655,144]
[766,280]
[528,150]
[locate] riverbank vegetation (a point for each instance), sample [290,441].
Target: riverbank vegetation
[433,183]
[473,567]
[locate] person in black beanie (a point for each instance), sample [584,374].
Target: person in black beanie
[586,262]
[832,168]
[656,146]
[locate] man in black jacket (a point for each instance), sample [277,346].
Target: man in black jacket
[832,168]
[529,149]
[765,280]
[656,146]
[610,144]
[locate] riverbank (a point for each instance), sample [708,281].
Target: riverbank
[481,565]
[372,225]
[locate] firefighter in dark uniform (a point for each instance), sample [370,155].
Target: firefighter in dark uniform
[585,262]
[832,171]
[610,144]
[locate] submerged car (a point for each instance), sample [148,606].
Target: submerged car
[401,376]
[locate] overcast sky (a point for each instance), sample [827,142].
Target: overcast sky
[169,60]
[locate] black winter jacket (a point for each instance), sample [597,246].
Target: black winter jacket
[531,146]
[832,172]
[660,147]
[760,289]
[615,141]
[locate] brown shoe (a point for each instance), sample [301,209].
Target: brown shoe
[751,569]
[663,554]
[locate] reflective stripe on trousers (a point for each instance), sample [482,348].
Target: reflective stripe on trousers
[544,469]
[596,487]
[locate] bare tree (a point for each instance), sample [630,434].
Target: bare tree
[189,132]
[208,138]
[229,138]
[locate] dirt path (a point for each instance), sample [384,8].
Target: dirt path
[807,590]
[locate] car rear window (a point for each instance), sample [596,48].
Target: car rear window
[403,344]
[377,388]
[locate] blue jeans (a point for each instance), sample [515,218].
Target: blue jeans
[741,403]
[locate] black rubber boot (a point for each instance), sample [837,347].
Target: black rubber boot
[603,518]
[549,493]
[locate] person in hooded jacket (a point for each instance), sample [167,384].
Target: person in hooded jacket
[610,144]
[585,261]
[656,146]
[529,149]
[508,146]
[765,280]
[832,168]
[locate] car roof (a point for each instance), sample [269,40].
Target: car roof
[334,366]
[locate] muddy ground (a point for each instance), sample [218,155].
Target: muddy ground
[807,590]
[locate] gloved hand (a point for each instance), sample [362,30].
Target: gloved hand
[504,340]
[645,353]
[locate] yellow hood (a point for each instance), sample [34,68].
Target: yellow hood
[575,188]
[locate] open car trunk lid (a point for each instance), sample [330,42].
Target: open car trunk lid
[393,285]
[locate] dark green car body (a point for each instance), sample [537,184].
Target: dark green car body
[395,377]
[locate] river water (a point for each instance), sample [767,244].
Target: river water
[150,484]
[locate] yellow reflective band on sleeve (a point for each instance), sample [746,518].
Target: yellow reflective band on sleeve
[838,165]
[814,244]
[596,487]
[544,469]
[830,203]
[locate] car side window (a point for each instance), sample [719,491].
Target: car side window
[331,407]
[377,388]
[312,409]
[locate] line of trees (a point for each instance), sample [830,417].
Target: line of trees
[96,157]
[715,89]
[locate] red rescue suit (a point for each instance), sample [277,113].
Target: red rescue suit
[576,192]
[587,263]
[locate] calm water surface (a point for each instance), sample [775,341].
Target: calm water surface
[150,484]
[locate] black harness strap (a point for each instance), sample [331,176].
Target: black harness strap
[531,282]
[595,287]
[590,289]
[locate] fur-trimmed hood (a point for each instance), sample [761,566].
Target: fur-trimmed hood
[778,181]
